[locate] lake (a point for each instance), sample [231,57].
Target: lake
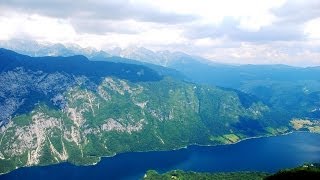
[267,154]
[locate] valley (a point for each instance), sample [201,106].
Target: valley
[170,89]
[70,109]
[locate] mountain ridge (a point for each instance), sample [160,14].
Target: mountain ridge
[52,116]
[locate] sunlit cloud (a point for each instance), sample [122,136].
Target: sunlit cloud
[246,31]
[312,28]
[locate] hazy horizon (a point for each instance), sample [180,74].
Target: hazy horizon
[237,32]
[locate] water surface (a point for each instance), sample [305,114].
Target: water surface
[261,154]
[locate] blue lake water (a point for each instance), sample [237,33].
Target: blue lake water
[261,154]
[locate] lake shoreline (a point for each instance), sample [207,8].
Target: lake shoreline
[213,145]
[264,154]
[168,150]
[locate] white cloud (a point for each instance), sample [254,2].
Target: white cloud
[291,53]
[246,31]
[36,27]
[56,30]
[209,42]
[252,14]
[312,28]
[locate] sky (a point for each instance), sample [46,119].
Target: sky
[229,31]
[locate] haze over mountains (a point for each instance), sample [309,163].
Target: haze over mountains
[271,83]
[164,58]
[56,109]
[59,103]
[33,48]
[82,80]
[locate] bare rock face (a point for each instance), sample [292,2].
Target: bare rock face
[52,116]
[30,138]
[20,89]
[115,125]
[66,117]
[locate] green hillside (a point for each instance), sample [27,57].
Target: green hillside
[308,171]
[60,109]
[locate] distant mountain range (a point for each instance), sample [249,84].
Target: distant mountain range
[278,85]
[35,49]
[79,108]
[56,109]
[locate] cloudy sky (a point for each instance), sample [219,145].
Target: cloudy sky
[231,31]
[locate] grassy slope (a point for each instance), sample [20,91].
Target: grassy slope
[175,114]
